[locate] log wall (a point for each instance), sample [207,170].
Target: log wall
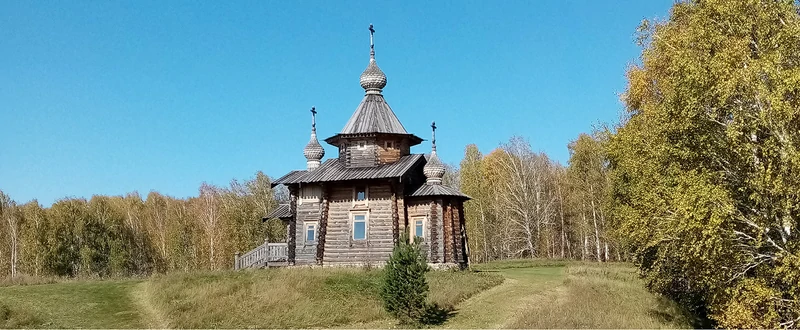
[340,247]
[352,156]
[308,210]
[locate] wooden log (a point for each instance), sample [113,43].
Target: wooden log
[292,239]
[323,225]
[433,220]
[395,216]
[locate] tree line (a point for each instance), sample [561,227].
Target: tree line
[133,236]
[526,205]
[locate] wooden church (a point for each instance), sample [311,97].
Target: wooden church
[353,209]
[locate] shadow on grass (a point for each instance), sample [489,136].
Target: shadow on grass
[436,315]
[669,312]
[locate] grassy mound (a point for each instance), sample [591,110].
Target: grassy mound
[290,298]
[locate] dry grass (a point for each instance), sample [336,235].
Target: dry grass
[290,298]
[522,263]
[602,296]
[24,279]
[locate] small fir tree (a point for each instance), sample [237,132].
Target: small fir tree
[405,290]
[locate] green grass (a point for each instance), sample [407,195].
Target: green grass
[508,294]
[602,296]
[95,304]
[291,298]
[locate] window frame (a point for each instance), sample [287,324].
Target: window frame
[389,145]
[361,145]
[353,221]
[306,225]
[413,236]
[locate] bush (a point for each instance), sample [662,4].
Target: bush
[405,290]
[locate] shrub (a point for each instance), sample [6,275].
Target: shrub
[405,290]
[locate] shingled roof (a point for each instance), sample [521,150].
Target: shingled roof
[427,190]
[280,212]
[333,170]
[290,177]
[373,115]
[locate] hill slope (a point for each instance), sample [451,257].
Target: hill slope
[532,295]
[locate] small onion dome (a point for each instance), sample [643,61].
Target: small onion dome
[373,80]
[313,152]
[434,169]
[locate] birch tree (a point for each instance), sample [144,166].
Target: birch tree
[705,164]
[11,218]
[207,208]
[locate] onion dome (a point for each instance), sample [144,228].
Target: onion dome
[434,169]
[373,80]
[313,150]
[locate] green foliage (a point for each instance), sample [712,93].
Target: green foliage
[705,166]
[526,205]
[405,290]
[112,236]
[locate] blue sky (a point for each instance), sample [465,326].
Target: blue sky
[109,97]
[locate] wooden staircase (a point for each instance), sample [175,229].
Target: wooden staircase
[265,255]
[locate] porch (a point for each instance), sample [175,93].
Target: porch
[263,256]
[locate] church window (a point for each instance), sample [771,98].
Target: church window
[359,227]
[311,231]
[418,232]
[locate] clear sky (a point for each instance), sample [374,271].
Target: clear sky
[109,97]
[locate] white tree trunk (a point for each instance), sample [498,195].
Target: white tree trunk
[596,231]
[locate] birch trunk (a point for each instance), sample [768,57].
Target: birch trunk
[594,220]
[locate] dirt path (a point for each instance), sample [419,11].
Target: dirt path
[153,318]
[500,306]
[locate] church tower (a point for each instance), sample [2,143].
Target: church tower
[353,209]
[373,136]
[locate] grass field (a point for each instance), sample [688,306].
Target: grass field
[516,294]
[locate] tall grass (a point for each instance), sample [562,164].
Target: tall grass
[24,279]
[521,263]
[16,318]
[290,298]
[603,296]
